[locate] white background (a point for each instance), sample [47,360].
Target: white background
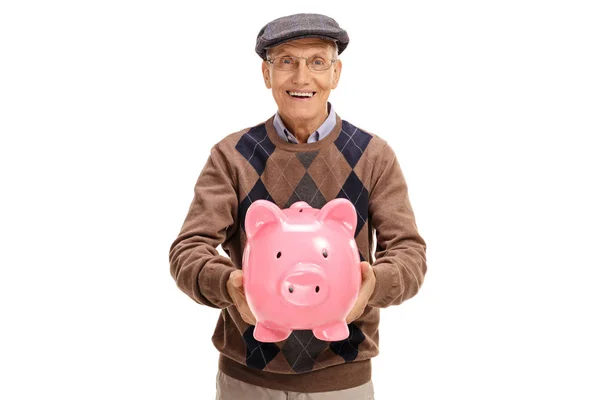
[107,113]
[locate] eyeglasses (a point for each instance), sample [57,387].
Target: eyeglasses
[290,63]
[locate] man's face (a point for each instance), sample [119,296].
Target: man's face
[303,110]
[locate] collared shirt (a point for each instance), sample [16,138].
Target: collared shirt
[321,132]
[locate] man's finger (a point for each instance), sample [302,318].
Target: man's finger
[236,278]
[247,314]
[243,308]
[364,268]
[350,317]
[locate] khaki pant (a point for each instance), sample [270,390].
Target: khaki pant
[229,388]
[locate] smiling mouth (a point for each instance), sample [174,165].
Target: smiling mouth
[301,95]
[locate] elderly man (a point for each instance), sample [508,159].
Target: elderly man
[305,152]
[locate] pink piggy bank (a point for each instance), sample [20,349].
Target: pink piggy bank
[301,268]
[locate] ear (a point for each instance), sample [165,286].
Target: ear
[339,210]
[261,213]
[266,74]
[337,72]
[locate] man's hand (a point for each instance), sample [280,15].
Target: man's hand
[366,290]
[235,288]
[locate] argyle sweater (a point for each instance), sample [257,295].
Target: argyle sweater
[256,163]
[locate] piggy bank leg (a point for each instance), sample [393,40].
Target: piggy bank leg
[332,332]
[264,333]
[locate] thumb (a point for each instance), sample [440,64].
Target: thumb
[236,278]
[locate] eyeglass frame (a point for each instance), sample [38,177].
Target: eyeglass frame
[272,60]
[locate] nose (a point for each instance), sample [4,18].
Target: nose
[302,73]
[305,286]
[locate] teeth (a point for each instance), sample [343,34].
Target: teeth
[301,94]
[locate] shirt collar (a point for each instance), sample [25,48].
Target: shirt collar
[321,132]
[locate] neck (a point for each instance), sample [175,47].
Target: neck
[302,129]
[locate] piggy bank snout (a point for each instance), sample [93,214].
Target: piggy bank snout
[305,286]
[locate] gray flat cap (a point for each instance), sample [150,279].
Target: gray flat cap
[300,26]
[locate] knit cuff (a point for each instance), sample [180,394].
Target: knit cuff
[213,283]
[387,285]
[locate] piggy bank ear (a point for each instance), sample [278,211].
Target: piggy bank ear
[260,213]
[340,210]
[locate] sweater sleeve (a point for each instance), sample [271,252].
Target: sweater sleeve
[197,267]
[400,262]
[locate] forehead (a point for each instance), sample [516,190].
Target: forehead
[312,45]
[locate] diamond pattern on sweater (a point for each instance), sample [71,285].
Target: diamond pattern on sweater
[258,354]
[256,147]
[357,193]
[352,143]
[307,157]
[307,191]
[259,191]
[330,184]
[301,350]
[281,176]
[348,348]
[285,178]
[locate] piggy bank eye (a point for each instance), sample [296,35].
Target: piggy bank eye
[278,254]
[325,253]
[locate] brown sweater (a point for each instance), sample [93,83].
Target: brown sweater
[256,163]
